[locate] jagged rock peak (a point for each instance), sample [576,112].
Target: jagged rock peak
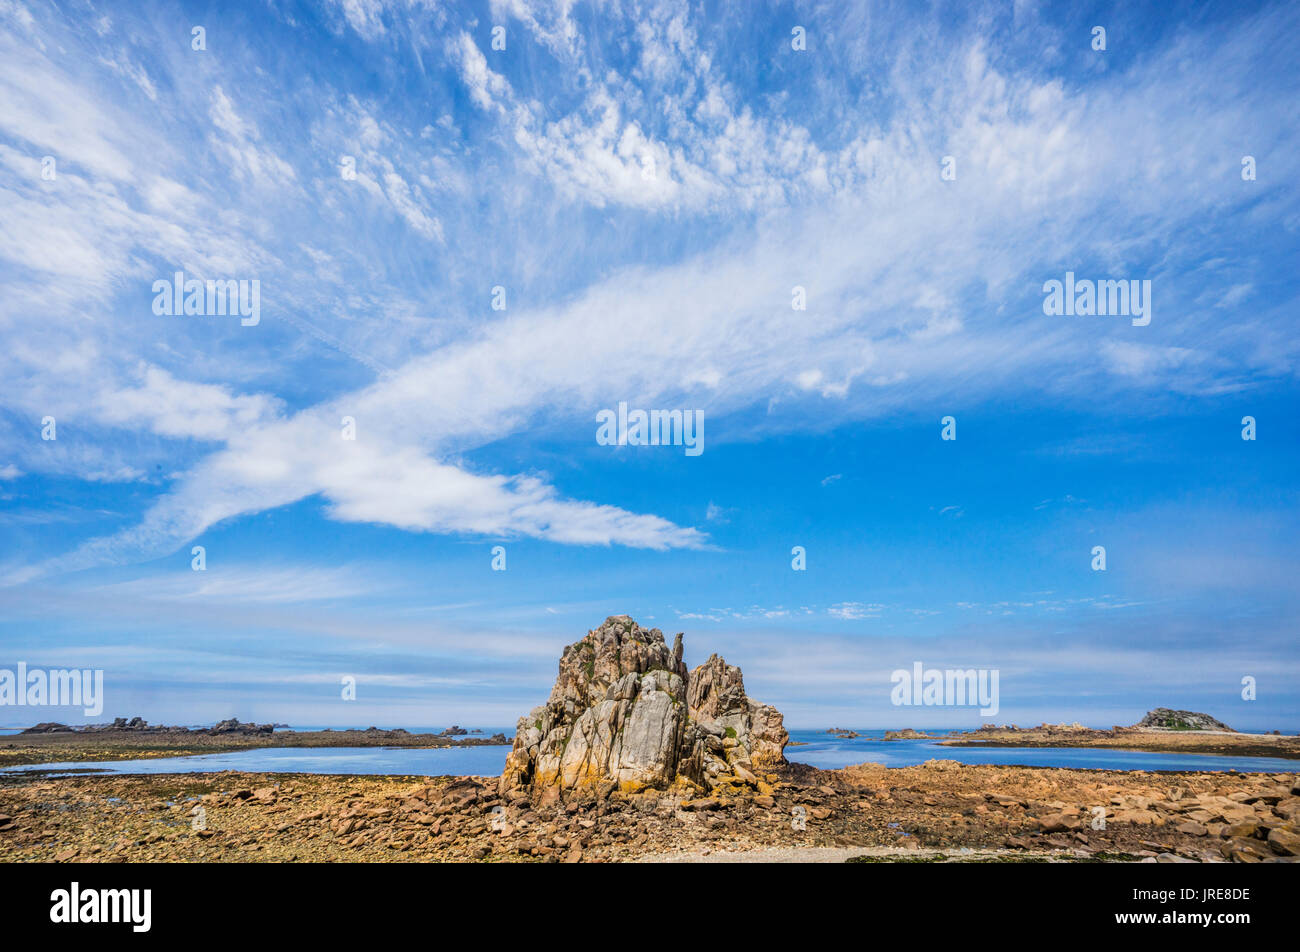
[619,647]
[624,711]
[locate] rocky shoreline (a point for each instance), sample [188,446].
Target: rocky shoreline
[634,756]
[1151,739]
[940,809]
[115,742]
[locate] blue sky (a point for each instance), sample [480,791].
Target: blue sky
[648,183]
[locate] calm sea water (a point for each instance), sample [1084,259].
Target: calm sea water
[828,752]
[432,762]
[820,750]
[480,731]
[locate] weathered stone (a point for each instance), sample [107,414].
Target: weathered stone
[1288,809]
[707,803]
[1240,828]
[1137,816]
[625,714]
[1059,823]
[1245,850]
[1284,842]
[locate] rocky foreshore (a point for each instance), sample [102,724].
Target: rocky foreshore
[135,739]
[633,756]
[939,809]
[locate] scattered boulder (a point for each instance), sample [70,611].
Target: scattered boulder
[1284,842]
[1059,823]
[1245,850]
[1288,809]
[1246,828]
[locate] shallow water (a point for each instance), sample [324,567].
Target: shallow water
[829,752]
[429,762]
[822,750]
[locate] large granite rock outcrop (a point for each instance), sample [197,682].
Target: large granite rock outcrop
[624,710]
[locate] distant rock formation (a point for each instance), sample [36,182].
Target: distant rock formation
[1167,719]
[47,727]
[624,712]
[139,724]
[233,726]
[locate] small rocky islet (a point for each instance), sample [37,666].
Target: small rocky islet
[1162,730]
[634,757]
[134,739]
